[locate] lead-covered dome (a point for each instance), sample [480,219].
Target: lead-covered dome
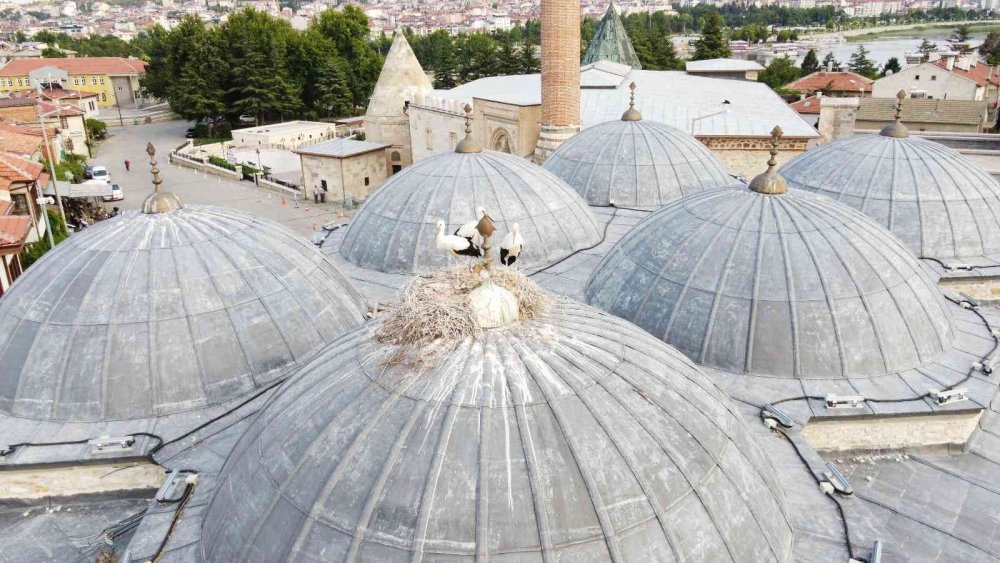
[155,313]
[756,280]
[940,203]
[638,163]
[575,437]
[395,229]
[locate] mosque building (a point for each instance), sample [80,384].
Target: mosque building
[627,354]
[531,115]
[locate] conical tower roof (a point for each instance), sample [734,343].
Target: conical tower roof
[611,42]
[402,79]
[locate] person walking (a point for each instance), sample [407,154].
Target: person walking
[128,165]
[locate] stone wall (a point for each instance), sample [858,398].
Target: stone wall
[352,177]
[984,288]
[434,130]
[747,156]
[940,432]
[498,126]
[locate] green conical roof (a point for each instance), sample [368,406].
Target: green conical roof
[611,42]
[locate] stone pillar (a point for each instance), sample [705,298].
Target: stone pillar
[837,117]
[560,75]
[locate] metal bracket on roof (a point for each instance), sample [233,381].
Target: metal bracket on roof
[772,412]
[844,401]
[108,444]
[986,366]
[877,552]
[168,485]
[950,395]
[959,266]
[972,301]
[839,482]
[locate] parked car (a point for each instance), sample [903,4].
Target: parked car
[88,172]
[100,173]
[247,118]
[117,194]
[190,133]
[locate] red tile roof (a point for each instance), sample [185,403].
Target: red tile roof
[55,94]
[80,65]
[14,230]
[838,81]
[15,140]
[16,169]
[981,74]
[808,105]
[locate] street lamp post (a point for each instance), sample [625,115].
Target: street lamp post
[52,169]
[260,168]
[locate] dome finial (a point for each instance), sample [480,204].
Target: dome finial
[631,114]
[896,128]
[159,201]
[468,145]
[769,181]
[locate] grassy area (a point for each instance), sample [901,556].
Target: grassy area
[928,30]
[198,141]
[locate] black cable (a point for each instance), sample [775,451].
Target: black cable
[964,266]
[840,508]
[173,522]
[574,253]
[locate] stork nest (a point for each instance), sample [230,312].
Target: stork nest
[433,315]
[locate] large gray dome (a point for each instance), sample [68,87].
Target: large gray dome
[941,204]
[151,314]
[792,285]
[395,230]
[636,163]
[575,437]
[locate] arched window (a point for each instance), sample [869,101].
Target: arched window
[395,156]
[501,141]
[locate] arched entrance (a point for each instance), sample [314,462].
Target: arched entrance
[501,141]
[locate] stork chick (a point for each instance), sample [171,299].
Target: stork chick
[470,232]
[511,245]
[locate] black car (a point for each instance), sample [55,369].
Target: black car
[189,134]
[88,172]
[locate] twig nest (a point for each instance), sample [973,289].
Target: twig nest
[492,306]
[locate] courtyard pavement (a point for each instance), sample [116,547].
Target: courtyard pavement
[196,187]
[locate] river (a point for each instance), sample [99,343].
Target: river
[883,49]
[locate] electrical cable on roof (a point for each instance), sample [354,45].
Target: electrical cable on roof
[574,253]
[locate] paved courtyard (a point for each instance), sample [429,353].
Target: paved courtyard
[193,186]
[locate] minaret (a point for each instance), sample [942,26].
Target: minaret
[560,75]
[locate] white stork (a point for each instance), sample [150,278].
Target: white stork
[455,245]
[470,232]
[511,246]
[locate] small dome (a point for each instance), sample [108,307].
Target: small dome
[941,204]
[145,315]
[636,163]
[576,437]
[790,285]
[394,231]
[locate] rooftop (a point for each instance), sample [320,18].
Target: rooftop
[922,110]
[285,127]
[611,42]
[833,81]
[76,66]
[688,102]
[341,148]
[722,65]
[981,74]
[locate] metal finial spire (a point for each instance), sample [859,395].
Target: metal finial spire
[770,182]
[896,128]
[159,201]
[631,114]
[468,144]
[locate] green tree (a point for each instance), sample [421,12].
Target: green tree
[990,49]
[891,66]
[199,92]
[713,43]
[926,47]
[962,33]
[507,63]
[335,97]
[780,72]
[348,29]
[477,57]
[528,61]
[861,64]
[810,63]
[831,63]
